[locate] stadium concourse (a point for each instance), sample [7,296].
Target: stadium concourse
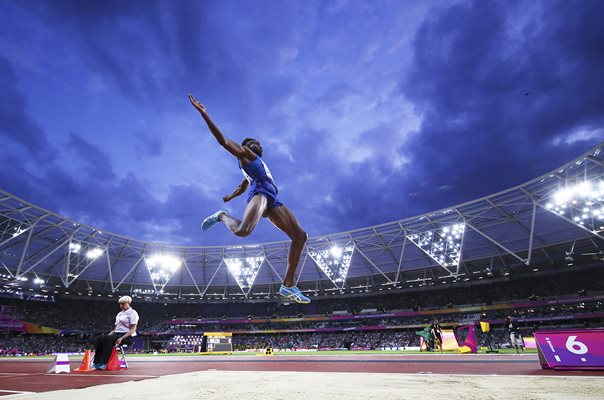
[534,252]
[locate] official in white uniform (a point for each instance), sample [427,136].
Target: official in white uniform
[125,328]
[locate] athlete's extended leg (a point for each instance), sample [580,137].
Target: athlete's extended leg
[285,220]
[251,216]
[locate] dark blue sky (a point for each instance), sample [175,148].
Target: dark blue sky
[369,111]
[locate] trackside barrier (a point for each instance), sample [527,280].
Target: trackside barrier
[574,349]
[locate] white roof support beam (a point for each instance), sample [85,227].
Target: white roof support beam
[192,277]
[141,258]
[302,266]
[400,261]
[273,269]
[532,233]
[212,278]
[373,264]
[490,239]
[27,242]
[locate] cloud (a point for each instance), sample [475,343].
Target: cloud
[368,112]
[94,162]
[149,145]
[77,179]
[117,40]
[579,135]
[25,146]
[16,125]
[495,91]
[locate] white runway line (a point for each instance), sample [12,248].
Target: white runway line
[107,376]
[11,374]
[15,391]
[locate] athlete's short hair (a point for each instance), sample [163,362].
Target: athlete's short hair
[248,140]
[125,299]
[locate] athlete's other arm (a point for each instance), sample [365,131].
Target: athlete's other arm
[238,190]
[232,147]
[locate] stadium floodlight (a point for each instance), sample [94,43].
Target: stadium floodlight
[17,231]
[161,267]
[75,247]
[143,291]
[244,270]
[334,262]
[443,245]
[80,257]
[38,281]
[94,253]
[581,203]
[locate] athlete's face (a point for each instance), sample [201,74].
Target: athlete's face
[255,146]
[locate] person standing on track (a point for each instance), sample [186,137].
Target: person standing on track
[514,332]
[436,336]
[261,202]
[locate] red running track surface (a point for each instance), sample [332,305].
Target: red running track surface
[27,375]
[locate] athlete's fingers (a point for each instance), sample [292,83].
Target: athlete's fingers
[193,100]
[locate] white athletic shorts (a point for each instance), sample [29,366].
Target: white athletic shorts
[516,339]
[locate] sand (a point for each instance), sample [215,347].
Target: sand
[244,385]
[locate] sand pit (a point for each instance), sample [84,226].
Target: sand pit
[244,385]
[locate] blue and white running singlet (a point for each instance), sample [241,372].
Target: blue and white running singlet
[261,182]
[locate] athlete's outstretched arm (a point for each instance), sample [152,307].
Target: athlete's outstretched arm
[232,147]
[239,190]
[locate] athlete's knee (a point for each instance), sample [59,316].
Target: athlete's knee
[243,230]
[300,236]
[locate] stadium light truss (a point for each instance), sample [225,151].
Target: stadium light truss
[75,247]
[76,250]
[80,257]
[11,229]
[581,203]
[244,270]
[443,245]
[527,224]
[18,230]
[142,291]
[94,253]
[161,268]
[334,262]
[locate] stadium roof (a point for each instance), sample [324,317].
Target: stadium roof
[551,219]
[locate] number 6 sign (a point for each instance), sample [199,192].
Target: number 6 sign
[574,346]
[571,349]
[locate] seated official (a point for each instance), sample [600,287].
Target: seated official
[125,328]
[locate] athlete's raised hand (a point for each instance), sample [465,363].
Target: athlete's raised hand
[245,155]
[200,107]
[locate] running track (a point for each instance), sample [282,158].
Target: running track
[29,375]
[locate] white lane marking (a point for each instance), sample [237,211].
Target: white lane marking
[15,391]
[16,373]
[108,376]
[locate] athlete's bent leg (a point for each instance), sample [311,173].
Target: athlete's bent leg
[251,216]
[286,221]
